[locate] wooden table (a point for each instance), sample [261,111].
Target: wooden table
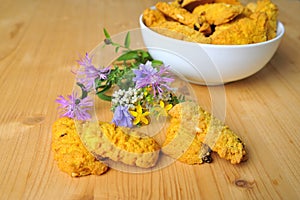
[41,41]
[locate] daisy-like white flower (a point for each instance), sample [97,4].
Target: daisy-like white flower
[139,115]
[89,73]
[122,117]
[147,75]
[74,107]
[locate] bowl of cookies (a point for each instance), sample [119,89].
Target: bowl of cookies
[212,42]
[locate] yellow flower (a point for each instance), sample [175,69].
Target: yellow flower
[167,107]
[139,115]
[162,109]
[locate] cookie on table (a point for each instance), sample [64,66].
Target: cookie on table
[71,155]
[108,141]
[194,133]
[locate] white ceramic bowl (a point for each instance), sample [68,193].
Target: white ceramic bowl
[210,64]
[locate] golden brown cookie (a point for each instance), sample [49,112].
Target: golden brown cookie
[184,143]
[271,10]
[218,13]
[119,144]
[192,130]
[178,14]
[181,32]
[71,155]
[246,30]
[153,17]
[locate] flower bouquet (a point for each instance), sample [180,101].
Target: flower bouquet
[140,87]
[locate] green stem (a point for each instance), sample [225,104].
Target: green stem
[104,96]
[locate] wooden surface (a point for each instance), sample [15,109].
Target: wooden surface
[41,41]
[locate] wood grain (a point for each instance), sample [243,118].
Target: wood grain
[40,42]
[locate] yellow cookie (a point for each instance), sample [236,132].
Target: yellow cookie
[193,133]
[178,14]
[71,155]
[181,32]
[120,144]
[246,30]
[218,13]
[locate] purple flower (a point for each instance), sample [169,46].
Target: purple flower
[74,107]
[86,61]
[147,75]
[90,73]
[122,117]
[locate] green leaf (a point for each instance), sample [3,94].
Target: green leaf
[127,40]
[106,33]
[128,56]
[101,94]
[100,86]
[156,63]
[117,49]
[104,96]
[145,54]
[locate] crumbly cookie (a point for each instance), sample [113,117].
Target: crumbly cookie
[153,17]
[178,14]
[184,144]
[181,32]
[119,144]
[71,155]
[218,13]
[271,10]
[245,30]
[200,132]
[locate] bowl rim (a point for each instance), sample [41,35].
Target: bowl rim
[279,34]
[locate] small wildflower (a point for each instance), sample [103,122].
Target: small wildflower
[165,107]
[147,75]
[122,117]
[74,107]
[126,97]
[86,61]
[90,73]
[139,115]
[162,109]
